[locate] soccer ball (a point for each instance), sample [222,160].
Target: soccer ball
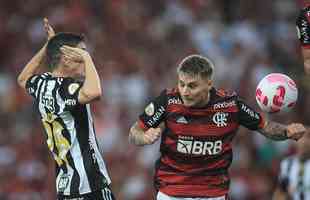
[276,92]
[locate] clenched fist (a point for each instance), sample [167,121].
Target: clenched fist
[295,131]
[152,134]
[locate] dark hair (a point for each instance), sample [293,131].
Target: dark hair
[53,52]
[196,65]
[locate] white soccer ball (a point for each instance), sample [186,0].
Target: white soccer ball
[276,92]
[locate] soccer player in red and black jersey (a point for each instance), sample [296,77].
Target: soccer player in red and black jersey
[303,32]
[197,124]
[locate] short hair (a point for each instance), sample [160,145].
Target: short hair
[196,65]
[53,52]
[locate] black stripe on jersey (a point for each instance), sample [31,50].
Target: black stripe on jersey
[96,179]
[225,138]
[75,182]
[54,94]
[65,132]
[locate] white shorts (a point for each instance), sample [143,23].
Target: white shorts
[162,196]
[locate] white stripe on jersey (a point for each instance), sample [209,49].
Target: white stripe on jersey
[293,178]
[99,157]
[39,84]
[75,150]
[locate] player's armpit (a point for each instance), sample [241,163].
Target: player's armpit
[274,130]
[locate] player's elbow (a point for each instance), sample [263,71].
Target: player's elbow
[21,81]
[87,96]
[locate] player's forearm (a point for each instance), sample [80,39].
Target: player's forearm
[136,135]
[31,67]
[274,131]
[306,57]
[92,85]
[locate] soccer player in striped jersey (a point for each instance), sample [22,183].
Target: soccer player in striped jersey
[197,124]
[294,175]
[303,32]
[62,98]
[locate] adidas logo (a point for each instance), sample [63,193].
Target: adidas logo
[182,120]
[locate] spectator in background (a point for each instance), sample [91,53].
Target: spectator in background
[62,99]
[197,124]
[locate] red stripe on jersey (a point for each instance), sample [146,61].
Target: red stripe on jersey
[196,190]
[207,111]
[306,46]
[200,129]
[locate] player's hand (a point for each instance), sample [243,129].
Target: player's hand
[295,131]
[48,29]
[73,54]
[152,134]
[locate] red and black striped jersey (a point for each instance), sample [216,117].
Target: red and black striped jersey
[196,145]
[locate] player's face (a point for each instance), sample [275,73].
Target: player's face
[194,90]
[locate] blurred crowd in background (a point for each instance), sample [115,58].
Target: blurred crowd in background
[136,46]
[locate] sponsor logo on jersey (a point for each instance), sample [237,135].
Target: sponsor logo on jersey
[70,102]
[182,120]
[48,102]
[220,119]
[63,182]
[155,118]
[174,100]
[149,109]
[249,111]
[224,104]
[72,88]
[196,147]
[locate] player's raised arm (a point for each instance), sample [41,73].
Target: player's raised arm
[91,89]
[32,66]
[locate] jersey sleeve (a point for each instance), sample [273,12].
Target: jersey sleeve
[154,113]
[69,92]
[32,85]
[303,28]
[248,117]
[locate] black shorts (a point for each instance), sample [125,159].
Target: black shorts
[104,194]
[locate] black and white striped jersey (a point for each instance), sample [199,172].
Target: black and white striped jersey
[69,128]
[294,178]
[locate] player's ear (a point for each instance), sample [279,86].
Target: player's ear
[210,82]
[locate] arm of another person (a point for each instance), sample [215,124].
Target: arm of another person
[306,57]
[36,61]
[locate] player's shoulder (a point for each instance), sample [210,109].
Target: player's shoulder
[223,93]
